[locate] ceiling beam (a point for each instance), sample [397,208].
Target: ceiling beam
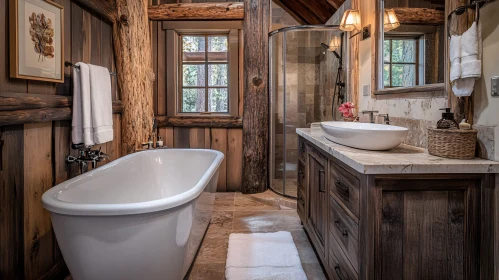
[312,11]
[197,11]
[420,16]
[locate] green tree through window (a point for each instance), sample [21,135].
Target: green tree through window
[204,73]
[400,62]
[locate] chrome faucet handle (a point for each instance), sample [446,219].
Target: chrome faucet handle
[371,115]
[386,118]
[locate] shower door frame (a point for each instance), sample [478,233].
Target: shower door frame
[272,101]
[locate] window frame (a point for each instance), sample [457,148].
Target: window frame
[206,63]
[174,31]
[419,53]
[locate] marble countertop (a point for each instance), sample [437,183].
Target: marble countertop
[403,159]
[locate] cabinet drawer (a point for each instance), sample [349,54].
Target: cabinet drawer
[345,231]
[300,204]
[339,266]
[345,187]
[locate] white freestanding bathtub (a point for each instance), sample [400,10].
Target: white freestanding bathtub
[142,216]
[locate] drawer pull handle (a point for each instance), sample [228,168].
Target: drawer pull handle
[344,190]
[338,272]
[338,225]
[321,181]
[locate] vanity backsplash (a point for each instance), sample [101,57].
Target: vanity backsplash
[418,134]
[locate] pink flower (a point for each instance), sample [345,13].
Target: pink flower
[347,109]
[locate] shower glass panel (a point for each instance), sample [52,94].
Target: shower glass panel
[303,87]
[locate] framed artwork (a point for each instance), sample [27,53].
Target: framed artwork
[37,40]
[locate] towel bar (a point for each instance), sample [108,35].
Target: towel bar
[69,64]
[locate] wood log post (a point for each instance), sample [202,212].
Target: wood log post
[133,51]
[256,96]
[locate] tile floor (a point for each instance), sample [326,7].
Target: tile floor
[238,213]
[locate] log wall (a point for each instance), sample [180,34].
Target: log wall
[33,152]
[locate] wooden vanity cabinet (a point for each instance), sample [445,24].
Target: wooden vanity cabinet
[384,227]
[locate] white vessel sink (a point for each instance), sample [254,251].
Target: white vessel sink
[367,136]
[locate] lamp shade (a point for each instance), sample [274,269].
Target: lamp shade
[335,43]
[390,20]
[350,21]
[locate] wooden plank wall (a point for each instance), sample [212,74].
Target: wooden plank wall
[226,140]
[33,154]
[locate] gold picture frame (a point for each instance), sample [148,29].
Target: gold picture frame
[36,40]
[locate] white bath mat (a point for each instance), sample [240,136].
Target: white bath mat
[263,256]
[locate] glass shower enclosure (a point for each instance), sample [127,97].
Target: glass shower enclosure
[306,85]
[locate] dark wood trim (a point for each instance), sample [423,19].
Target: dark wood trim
[217,122]
[420,16]
[197,11]
[45,114]
[424,88]
[256,96]
[105,9]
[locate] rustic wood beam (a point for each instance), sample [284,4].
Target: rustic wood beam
[46,114]
[11,101]
[197,11]
[420,16]
[217,122]
[106,9]
[256,96]
[133,52]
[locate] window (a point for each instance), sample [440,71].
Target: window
[204,73]
[400,62]
[203,68]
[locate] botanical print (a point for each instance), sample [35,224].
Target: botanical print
[39,44]
[42,34]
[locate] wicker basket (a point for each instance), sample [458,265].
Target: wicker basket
[452,143]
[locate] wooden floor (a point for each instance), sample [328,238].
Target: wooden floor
[238,213]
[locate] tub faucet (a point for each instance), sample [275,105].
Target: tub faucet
[371,115]
[86,155]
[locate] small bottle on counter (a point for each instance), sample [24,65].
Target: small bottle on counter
[159,142]
[150,144]
[464,125]
[447,121]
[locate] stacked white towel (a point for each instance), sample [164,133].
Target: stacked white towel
[92,105]
[466,65]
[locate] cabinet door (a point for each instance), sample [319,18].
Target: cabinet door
[317,200]
[428,229]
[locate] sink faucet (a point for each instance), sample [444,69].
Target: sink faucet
[371,115]
[386,118]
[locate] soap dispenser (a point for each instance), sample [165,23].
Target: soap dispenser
[447,121]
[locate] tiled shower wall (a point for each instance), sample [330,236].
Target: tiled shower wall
[310,76]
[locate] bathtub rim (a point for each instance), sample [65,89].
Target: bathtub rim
[52,203]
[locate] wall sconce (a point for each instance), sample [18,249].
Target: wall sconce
[351,22]
[335,43]
[390,20]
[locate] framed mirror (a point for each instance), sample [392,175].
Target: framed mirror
[410,47]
